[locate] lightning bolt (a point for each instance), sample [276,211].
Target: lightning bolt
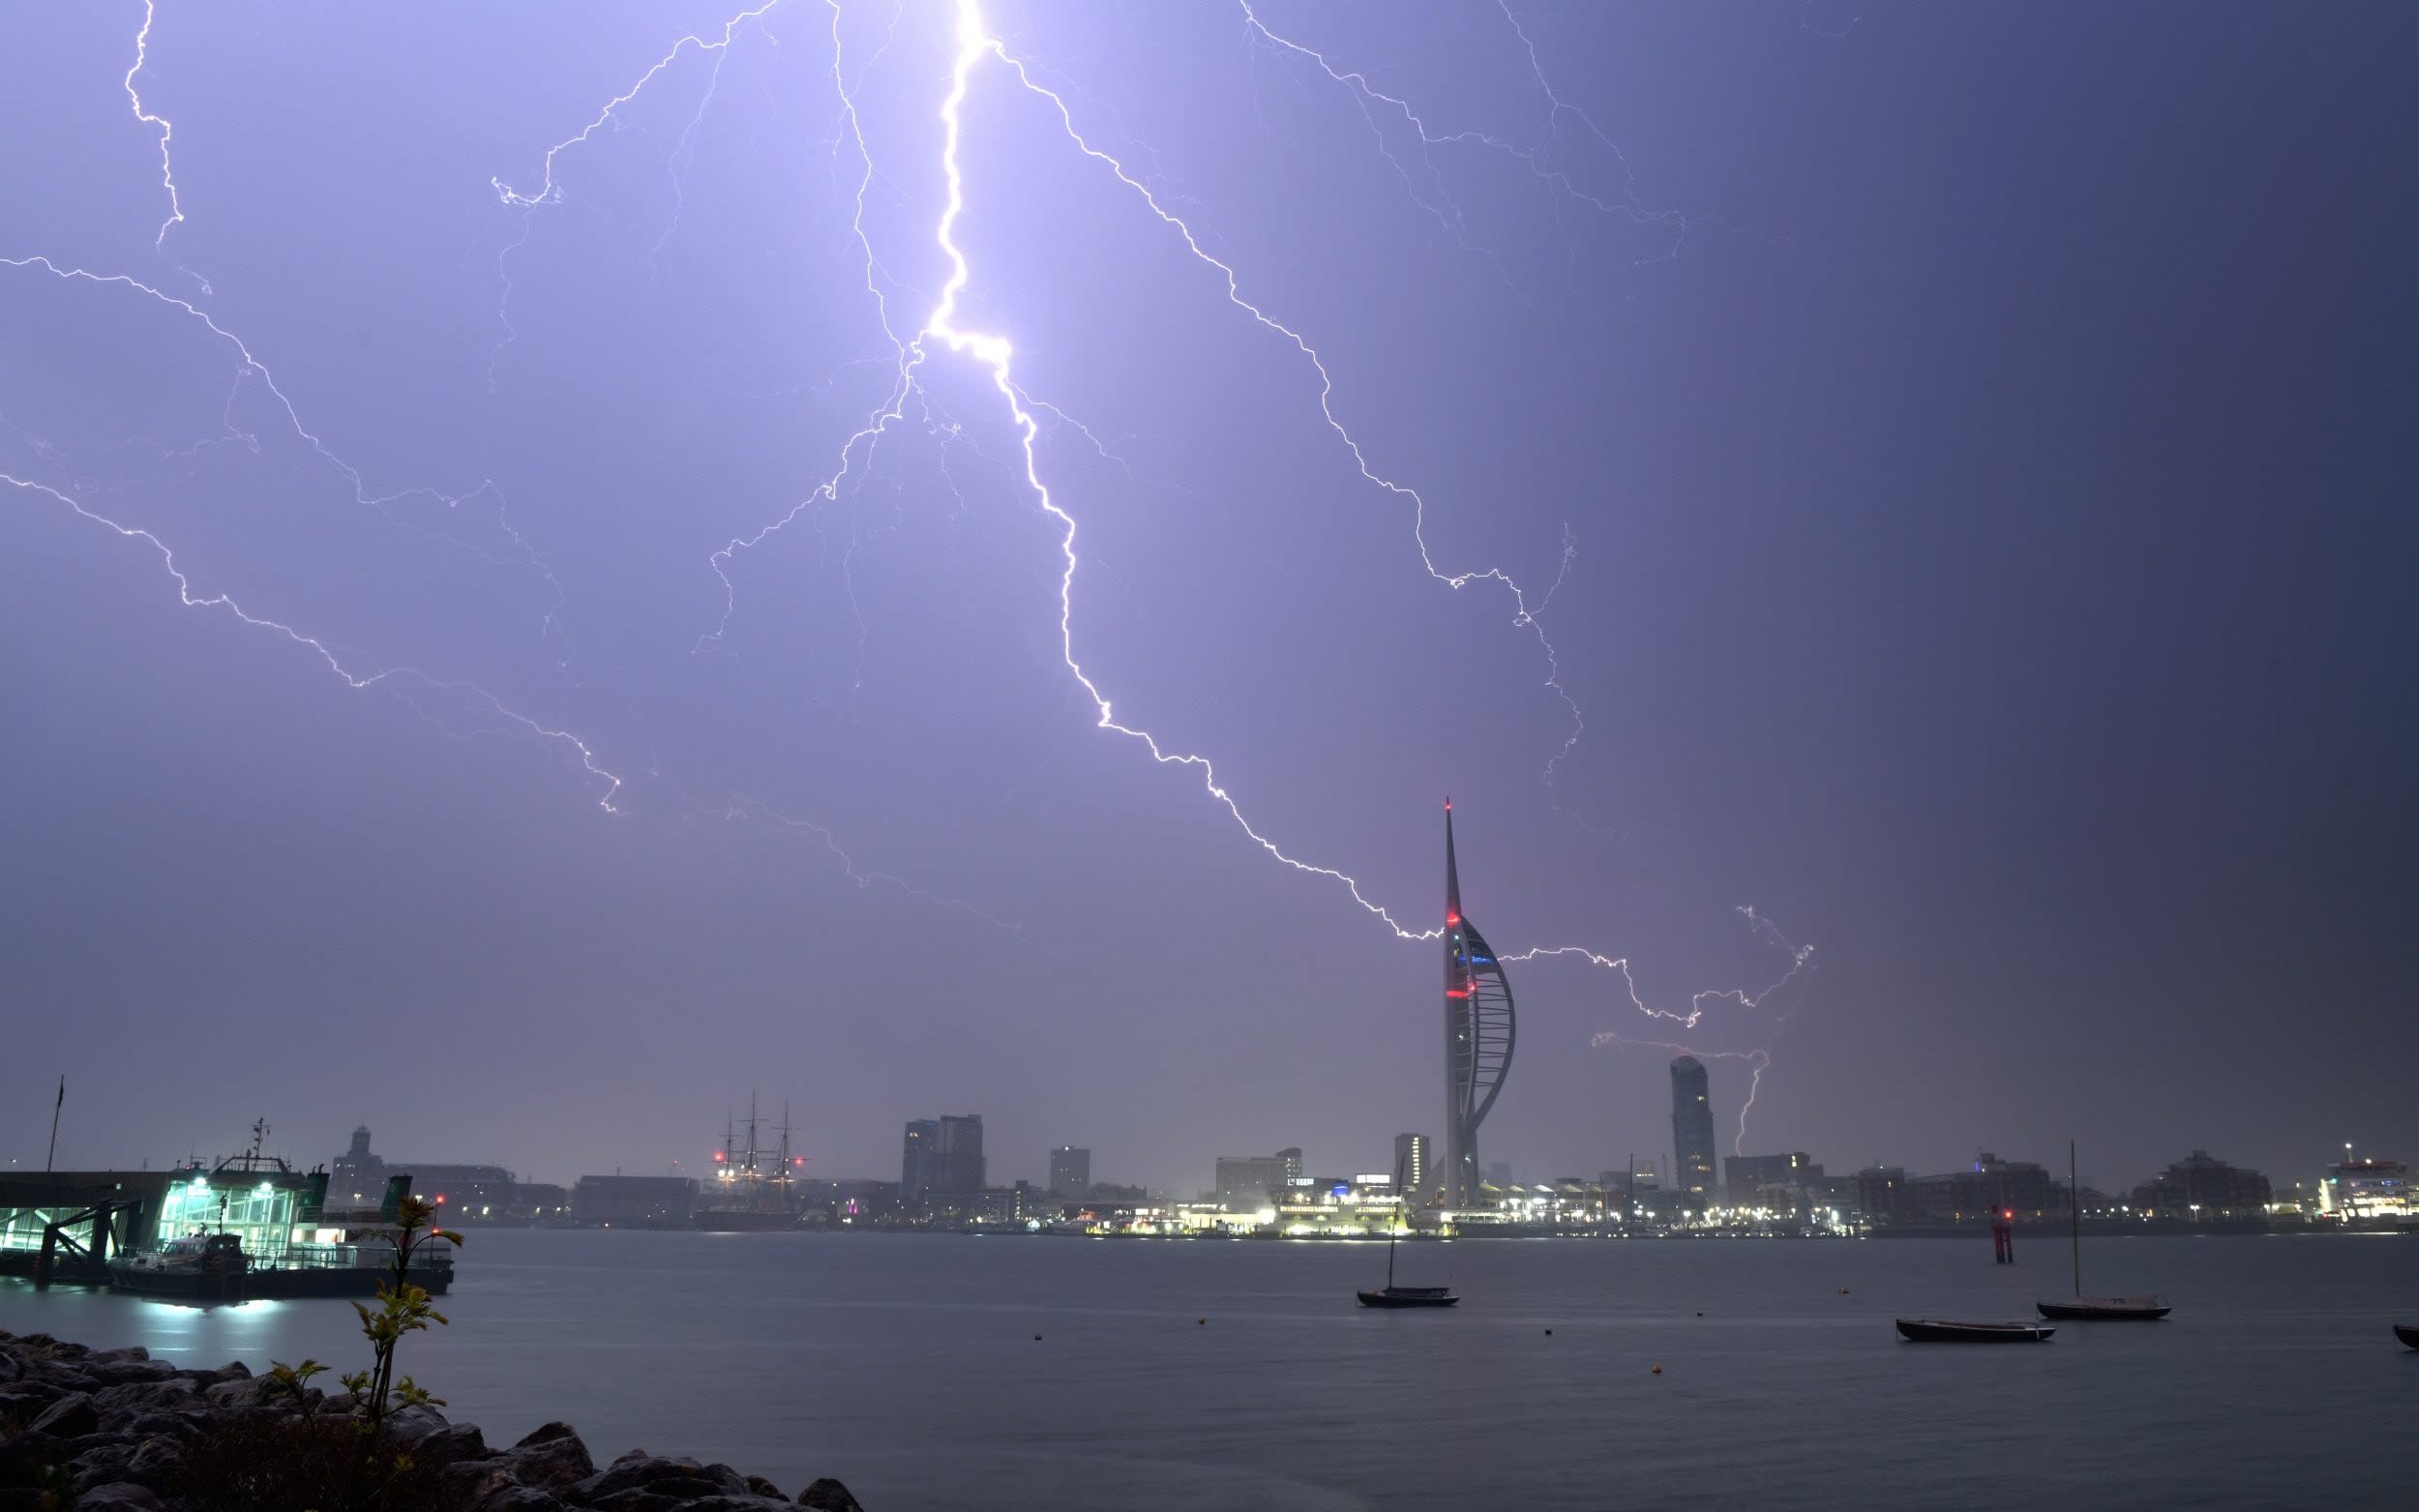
[1759,1060]
[167,132]
[945,328]
[357,680]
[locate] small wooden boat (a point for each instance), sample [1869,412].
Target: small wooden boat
[1409,1296]
[1933,1330]
[2105,1309]
[2081,1309]
[2407,1334]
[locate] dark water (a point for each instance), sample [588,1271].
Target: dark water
[906,1366]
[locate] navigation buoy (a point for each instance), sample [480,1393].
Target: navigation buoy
[1700,1312]
[1037,1338]
[1656,1369]
[1549,1333]
[1203,1321]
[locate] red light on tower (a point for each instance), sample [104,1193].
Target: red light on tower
[718,1154]
[441,1199]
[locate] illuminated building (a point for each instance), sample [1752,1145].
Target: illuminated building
[1478,1032]
[1777,1183]
[1411,1162]
[2368,1189]
[1252,1177]
[1691,1133]
[1070,1170]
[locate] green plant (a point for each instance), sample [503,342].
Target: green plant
[403,1308]
[294,1380]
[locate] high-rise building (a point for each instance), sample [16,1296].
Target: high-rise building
[1691,1133]
[1070,1170]
[916,1157]
[960,1167]
[941,1157]
[1411,1164]
[1478,1029]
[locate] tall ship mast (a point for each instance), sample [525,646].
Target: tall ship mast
[753,1188]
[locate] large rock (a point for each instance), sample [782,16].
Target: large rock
[410,1425]
[235,1396]
[72,1416]
[744,1502]
[119,1498]
[102,1466]
[156,1463]
[126,1401]
[451,1445]
[553,1458]
[677,1476]
[828,1495]
[117,1371]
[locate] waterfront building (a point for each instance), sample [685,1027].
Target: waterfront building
[1776,1183]
[2368,1189]
[1993,1185]
[1479,1034]
[1070,1170]
[1691,1133]
[1253,1177]
[1412,1162]
[619,1202]
[2200,1188]
[1881,1194]
[468,1194]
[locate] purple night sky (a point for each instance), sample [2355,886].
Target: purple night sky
[1960,462]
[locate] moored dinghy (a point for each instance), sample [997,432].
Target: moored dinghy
[1935,1330]
[2407,1334]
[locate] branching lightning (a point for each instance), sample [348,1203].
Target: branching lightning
[945,328]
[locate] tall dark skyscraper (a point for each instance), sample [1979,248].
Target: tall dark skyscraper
[1478,1035]
[1691,1133]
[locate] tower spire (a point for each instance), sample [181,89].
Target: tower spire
[1452,877]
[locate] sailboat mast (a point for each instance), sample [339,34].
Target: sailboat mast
[2075,1215]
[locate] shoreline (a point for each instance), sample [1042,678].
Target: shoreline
[122,1430]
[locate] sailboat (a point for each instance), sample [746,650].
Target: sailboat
[2094,1309]
[1392,1295]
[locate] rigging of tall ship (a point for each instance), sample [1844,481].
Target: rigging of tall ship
[755,1188]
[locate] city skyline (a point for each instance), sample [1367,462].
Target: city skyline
[505,638]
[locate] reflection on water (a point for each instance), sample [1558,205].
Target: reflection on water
[907,1365]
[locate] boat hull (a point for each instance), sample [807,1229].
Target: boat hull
[1409,1296]
[1932,1330]
[2408,1334]
[2104,1310]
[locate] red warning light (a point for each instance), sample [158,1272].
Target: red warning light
[440,1196]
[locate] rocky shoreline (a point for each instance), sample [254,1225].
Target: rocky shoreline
[85,1430]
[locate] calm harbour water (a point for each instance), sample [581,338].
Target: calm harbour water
[906,1366]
